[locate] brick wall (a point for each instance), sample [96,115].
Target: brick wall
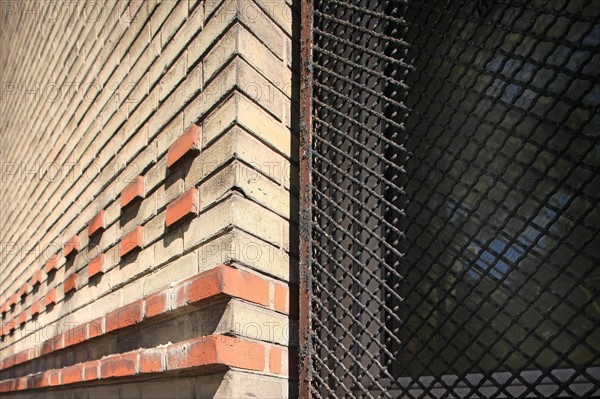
[148,207]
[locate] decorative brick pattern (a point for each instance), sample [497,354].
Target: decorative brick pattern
[97,265]
[189,141]
[36,278]
[134,190]
[98,223]
[51,264]
[221,282]
[71,246]
[134,240]
[168,178]
[203,352]
[70,283]
[185,205]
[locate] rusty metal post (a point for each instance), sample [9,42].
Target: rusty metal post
[305,192]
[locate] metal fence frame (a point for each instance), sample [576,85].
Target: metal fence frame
[306,214]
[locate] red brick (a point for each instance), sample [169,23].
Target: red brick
[47,347]
[71,246]
[190,140]
[90,370]
[135,189]
[278,360]
[50,297]
[25,356]
[21,383]
[205,285]
[97,223]
[151,361]
[11,326]
[216,349]
[281,298]
[36,308]
[70,283]
[58,342]
[72,374]
[4,308]
[75,335]
[22,317]
[244,285]
[36,278]
[24,290]
[126,316]
[39,380]
[118,366]
[53,378]
[96,328]
[222,280]
[14,299]
[132,240]
[156,304]
[7,386]
[51,263]
[97,265]
[186,204]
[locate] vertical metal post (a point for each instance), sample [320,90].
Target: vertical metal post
[305,193]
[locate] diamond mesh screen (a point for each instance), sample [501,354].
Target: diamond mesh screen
[455,246]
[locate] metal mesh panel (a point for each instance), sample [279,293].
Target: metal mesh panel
[455,217]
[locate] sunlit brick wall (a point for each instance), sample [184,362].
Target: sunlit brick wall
[148,207]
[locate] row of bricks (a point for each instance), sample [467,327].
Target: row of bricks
[220,281]
[184,205]
[199,352]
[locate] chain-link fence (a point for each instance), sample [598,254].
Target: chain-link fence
[454,237]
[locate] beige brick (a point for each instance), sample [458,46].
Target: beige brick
[252,183]
[246,385]
[178,270]
[169,246]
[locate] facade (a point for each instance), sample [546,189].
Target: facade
[148,153]
[311,198]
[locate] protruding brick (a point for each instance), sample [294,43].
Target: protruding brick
[156,304]
[281,298]
[14,299]
[53,378]
[36,308]
[51,264]
[71,246]
[75,335]
[216,349]
[97,265]
[36,278]
[135,189]
[132,240]
[198,288]
[22,317]
[70,283]
[242,284]
[47,347]
[50,297]
[118,366]
[151,361]
[96,327]
[125,316]
[24,290]
[90,370]
[72,374]
[186,204]
[222,280]
[190,140]
[278,360]
[97,224]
